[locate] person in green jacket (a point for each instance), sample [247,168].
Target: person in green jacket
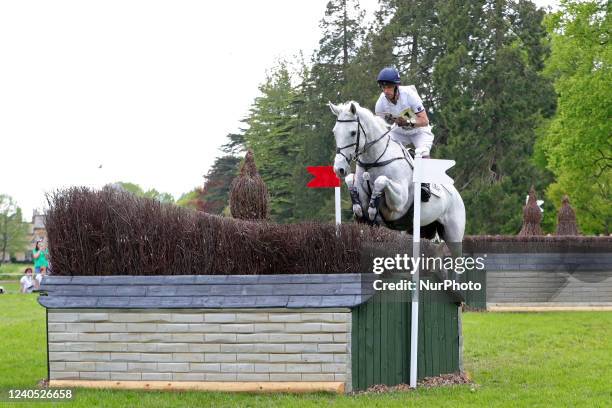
[40,254]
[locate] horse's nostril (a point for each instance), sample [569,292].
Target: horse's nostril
[341,171]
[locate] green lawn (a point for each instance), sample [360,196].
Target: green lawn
[516,359]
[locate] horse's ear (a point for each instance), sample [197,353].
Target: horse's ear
[333,108]
[353,109]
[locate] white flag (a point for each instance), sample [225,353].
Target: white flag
[432,171]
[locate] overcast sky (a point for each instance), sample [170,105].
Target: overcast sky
[146,89]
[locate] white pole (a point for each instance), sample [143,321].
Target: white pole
[338,217]
[416,249]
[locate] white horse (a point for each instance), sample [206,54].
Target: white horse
[382,185]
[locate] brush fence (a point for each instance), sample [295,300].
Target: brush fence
[241,333]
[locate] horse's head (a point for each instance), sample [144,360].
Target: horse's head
[349,136]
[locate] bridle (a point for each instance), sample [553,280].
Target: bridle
[375,163]
[356,144]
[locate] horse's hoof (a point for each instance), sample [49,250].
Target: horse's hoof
[372,213]
[358,211]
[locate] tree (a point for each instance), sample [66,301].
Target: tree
[159,196]
[272,135]
[190,198]
[415,31]
[213,197]
[375,52]
[342,33]
[477,66]
[152,193]
[130,187]
[326,79]
[490,95]
[576,144]
[13,231]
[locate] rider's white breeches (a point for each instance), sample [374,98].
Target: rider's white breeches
[420,138]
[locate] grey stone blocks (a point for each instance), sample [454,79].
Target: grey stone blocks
[200,344]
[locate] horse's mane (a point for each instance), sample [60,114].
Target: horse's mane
[364,112]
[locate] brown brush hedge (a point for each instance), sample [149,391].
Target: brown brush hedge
[112,232]
[532,216]
[536,244]
[566,219]
[248,197]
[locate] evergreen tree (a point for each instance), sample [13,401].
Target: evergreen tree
[415,30]
[477,66]
[273,136]
[491,96]
[375,53]
[342,34]
[327,80]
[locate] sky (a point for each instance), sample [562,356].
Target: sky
[94,92]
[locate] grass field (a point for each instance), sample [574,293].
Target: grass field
[538,360]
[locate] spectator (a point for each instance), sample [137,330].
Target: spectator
[39,277]
[26,282]
[41,256]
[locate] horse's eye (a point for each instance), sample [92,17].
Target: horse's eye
[353,133]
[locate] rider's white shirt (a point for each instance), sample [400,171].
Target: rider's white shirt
[420,137]
[408,98]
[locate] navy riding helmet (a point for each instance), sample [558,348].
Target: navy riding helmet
[388,75]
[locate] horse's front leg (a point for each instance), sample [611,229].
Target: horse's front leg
[358,195]
[395,195]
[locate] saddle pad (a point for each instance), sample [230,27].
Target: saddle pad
[436,189]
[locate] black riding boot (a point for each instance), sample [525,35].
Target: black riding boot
[425,192]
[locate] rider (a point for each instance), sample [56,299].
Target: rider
[392,103]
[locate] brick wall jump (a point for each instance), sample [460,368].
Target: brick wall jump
[200,345]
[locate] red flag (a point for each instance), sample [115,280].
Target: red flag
[324,177]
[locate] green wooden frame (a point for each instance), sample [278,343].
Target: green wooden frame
[380,339]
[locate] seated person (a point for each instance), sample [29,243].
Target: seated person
[26,282]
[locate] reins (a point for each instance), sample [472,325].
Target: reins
[375,163]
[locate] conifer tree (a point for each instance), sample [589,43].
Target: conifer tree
[326,80]
[272,135]
[491,95]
